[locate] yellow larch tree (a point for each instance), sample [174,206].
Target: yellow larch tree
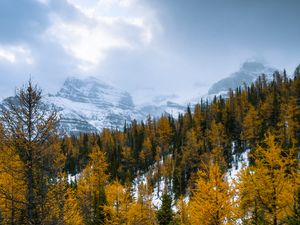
[118,202]
[72,211]
[164,132]
[182,215]
[62,204]
[266,190]
[12,186]
[91,187]
[288,124]
[212,200]
[217,135]
[141,211]
[251,125]
[55,201]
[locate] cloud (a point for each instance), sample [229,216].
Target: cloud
[105,25]
[16,54]
[88,44]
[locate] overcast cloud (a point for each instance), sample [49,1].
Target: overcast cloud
[164,46]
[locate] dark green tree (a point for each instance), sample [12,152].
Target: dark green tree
[165,213]
[99,203]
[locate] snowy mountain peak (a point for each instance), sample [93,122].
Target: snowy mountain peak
[89,105]
[254,67]
[248,72]
[95,91]
[74,87]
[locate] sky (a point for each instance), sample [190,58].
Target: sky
[146,47]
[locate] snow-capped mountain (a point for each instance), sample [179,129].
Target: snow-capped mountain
[248,73]
[89,105]
[160,104]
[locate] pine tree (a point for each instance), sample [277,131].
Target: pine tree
[165,213]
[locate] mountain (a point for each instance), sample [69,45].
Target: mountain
[89,105]
[248,73]
[161,104]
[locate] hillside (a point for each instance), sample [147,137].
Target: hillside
[243,148]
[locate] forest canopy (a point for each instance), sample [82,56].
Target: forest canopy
[46,178]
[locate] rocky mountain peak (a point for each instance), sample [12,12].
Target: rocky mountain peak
[93,90]
[248,72]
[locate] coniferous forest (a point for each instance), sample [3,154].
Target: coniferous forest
[49,178]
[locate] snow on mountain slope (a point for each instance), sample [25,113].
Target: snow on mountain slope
[89,105]
[157,109]
[248,73]
[239,162]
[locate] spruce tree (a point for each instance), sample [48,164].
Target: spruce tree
[165,213]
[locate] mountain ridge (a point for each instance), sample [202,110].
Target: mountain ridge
[248,73]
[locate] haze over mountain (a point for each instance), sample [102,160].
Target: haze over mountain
[248,73]
[91,104]
[169,46]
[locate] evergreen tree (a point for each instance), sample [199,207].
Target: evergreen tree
[165,213]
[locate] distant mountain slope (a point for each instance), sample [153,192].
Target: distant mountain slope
[248,73]
[89,105]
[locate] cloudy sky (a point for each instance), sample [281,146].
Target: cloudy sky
[162,46]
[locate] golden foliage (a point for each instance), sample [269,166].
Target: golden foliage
[118,202]
[211,202]
[12,186]
[266,190]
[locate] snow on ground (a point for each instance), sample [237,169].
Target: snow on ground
[140,179]
[159,187]
[73,178]
[239,162]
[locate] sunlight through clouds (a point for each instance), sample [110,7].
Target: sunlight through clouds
[107,25]
[86,43]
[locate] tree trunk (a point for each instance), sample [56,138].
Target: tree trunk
[32,215]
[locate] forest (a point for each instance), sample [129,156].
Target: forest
[47,178]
